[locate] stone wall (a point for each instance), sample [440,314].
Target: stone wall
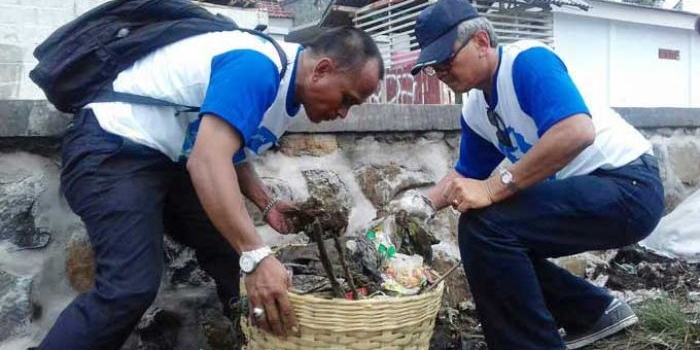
[45,259]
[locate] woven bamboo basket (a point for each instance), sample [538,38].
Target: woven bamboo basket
[404,323]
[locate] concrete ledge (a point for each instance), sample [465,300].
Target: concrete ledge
[661,117]
[37,118]
[388,117]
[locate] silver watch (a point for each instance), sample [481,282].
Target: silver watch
[507,180]
[251,259]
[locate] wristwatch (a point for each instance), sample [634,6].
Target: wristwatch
[507,180]
[251,259]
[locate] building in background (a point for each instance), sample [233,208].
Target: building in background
[25,24]
[627,55]
[624,54]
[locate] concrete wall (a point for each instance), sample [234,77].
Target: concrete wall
[23,25]
[26,23]
[612,51]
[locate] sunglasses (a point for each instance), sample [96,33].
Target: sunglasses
[501,132]
[445,65]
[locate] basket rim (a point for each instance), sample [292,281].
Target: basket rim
[391,300]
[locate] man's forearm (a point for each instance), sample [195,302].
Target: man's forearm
[252,186]
[218,191]
[216,183]
[558,147]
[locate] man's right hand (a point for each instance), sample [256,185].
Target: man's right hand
[267,289]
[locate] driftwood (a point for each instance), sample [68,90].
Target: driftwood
[317,231]
[344,264]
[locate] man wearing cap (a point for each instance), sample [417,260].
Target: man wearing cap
[580,179]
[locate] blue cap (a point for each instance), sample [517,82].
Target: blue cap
[436,30]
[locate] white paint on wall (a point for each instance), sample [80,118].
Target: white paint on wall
[586,59]
[25,24]
[612,52]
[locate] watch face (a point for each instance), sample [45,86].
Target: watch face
[506,177]
[247,264]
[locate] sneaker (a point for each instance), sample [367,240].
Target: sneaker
[617,317]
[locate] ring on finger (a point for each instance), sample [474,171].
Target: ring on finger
[258,312]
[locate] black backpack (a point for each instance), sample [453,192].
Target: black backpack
[79,61]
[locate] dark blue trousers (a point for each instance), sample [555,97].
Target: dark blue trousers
[522,298]
[128,195]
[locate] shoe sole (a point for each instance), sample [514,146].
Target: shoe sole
[603,333]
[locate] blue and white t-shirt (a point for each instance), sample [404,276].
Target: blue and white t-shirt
[233,75]
[532,92]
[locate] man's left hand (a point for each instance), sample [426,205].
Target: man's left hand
[464,194]
[281,217]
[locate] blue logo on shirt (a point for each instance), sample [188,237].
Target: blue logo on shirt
[262,137]
[519,149]
[190,137]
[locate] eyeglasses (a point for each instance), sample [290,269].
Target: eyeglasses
[501,132]
[445,65]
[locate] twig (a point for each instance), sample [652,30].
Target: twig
[445,275]
[343,263]
[318,234]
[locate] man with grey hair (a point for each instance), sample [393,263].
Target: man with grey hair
[580,179]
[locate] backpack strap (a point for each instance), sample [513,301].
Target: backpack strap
[113,96]
[280,52]
[109,95]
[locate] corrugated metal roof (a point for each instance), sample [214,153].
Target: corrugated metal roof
[341,12]
[575,3]
[338,11]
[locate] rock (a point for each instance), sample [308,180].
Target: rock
[382,182]
[434,135]
[158,330]
[80,264]
[674,189]
[295,145]
[19,190]
[15,304]
[329,189]
[683,156]
[584,264]
[453,140]
[182,266]
[445,226]
[219,332]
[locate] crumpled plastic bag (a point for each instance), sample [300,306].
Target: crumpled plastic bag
[403,233]
[678,233]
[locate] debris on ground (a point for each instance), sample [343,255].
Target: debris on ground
[664,292]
